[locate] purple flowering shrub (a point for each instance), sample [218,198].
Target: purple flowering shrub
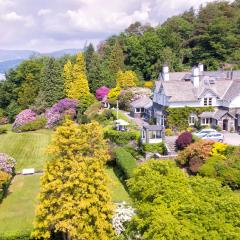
[57,112]
[7,163]
[184,140]
[102,92]
[24,117]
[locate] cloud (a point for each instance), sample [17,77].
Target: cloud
[45,11]
[49,25]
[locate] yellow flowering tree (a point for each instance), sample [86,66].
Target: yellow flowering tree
[74,200]
[127,79]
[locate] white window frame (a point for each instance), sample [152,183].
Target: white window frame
[191,120]
[208,101]
[206,121]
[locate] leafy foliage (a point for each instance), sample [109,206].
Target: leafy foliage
[74,200]
[179,116]
[120,137]
[7,163]
[155,148]
[171,205]
[39,123]
[195,155]
[223,165]
[113,94]
[125,162]
[127,79]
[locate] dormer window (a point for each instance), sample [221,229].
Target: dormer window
[207,101]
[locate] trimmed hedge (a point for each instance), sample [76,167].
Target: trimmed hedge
[33,126]
[121,138]
[155,148]
[125,162]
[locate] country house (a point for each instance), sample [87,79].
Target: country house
[198,88]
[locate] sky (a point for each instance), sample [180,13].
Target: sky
[49,25]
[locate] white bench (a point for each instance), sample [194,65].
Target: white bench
[28,171]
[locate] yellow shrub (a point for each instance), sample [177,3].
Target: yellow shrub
[168,132]
[148,84]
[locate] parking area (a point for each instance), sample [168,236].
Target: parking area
[232,138]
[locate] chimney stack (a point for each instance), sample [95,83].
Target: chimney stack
[165,73]
[195,77]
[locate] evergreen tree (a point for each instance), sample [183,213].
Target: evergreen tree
[28,91]
[116,59]
[76,83]
[74,200]
[68,77]
[52,83]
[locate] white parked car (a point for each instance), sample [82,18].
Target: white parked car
[214,136]
[205,131]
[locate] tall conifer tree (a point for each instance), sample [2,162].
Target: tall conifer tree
[74,199]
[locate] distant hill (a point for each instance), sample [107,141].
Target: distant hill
[12,58]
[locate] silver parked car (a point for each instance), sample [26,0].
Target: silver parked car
[214,136]
[204,131]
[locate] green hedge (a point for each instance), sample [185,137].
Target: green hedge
[155,148]
[121,138]
[3,130]
[23,235]
[32,126]
[125,162]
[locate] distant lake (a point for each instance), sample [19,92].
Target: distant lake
[2,77]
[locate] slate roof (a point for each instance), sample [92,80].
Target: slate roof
[180,90]
[153,127]
[218,114]
[144,102]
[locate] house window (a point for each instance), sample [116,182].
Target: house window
[191,120]
[161,121]
[138,110]
[207,101]
[155,134]
[206,121]
[142,110]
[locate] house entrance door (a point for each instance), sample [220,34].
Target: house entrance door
[225,124]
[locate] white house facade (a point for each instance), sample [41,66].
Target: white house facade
[199,88]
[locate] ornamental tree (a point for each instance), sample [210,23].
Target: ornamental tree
[74,199]
[102,92]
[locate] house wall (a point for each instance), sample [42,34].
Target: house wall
[235,103]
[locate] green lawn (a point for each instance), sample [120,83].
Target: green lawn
[18,208]
[27,148]
[117,190]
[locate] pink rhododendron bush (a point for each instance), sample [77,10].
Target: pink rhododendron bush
[56,113]
[102,92]
[24,117]
[7,163]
